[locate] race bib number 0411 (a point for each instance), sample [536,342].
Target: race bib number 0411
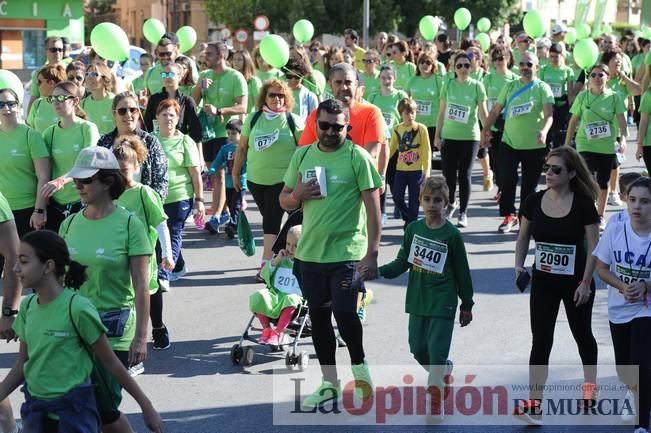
[427,254]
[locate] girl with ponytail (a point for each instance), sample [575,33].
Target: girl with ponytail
[59,332]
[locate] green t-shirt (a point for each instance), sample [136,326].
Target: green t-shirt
[431,293]
[5,211]
[315,82]
[271,146]
[494,83]
[618,86]
[181,152]
[426,92]
[64,144]
[100,112]
[524,115]
[478,75]
[105,246]
[18,150]
[558,80]
[253,86]
[461,101]
[404,74]
[153,80]
[371,84]
[225,87]
[636,62]
[42,115]
[56,360]
[138,83]
[645,107]
[334,227]
[145,203]
[598,128]
[271,74]
[388,105]
[33,87]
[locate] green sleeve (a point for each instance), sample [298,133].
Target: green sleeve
[461,272]
[36,144]
[367,175]
[620,105]
[399,265]
[31,117]
[300,126]
[547,95]
[267,270]
[578,104]
[47,137]
[481,92]
[239,86]
[291,175]
[19,323]
[190,153]
[645,103]
[33,88]
[138,243]
[444,91]
[92,133]
[503,95]
[153,206]
[246,125]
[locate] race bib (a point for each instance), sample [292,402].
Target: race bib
[555,258]
[261,142]
[427,254]
[388,119]
[424,107]
[522,109]
[286,282]
[458,113]
[629,276]
[557,90]
[597,130]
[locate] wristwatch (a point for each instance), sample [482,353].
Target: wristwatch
[8,312]
[39,210]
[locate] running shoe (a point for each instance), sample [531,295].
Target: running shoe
[340,341]
[385,219]
[488,182]
[451,209]
[529,411]
[276,338]
[224,218]
[212,225]
[641,430]
[161,338]
[137,369]
[230,230]
[367,297]
[589,391]
[326,392]
[175,276]
[164,285]
[613,199]
[497,196]
[264,337]
[628,412]
[463,220]
[363,382]
[509,223]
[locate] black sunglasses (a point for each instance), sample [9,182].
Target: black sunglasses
[84,181]
[463,65]
[55,50]
[597,74]
[426,62]
[292,77]
[75,77]
[276,95]
[122,111]
[527,64]
[556,169]
[324,126]
[498,59]
[165,54]
[8,104]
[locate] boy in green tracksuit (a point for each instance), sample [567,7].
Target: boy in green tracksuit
[433,252]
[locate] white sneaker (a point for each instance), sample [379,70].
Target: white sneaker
[385,219]
[137,369]
[164,285]
[629,416]
[613,199]
[451,209]
[463,220]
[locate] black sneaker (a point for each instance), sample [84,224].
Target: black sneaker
[161,338]
[230,231]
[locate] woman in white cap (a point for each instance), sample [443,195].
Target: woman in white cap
[114,246]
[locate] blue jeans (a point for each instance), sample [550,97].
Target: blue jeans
[177,213]
[407,180]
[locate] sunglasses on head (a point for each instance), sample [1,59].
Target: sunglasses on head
[8,104]
[84,181]
[426,62]
[498,59]
[527,64]
[170,74]
[556,169]
[58,99]
[324,126]
[122,111]
[463,65]
[597,74]
[92,74]
[276,95]
[55,50]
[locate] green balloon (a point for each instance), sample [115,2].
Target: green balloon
[303,31]
[319,80]
[646,32]
[462,18]
[586,53]
[647,58]
[428,27]
[484,24]
[274,50]
[110,42]
[484,41]
[153,30]
[187,38]
[9,80]
[534,24]
[607,29]
[570,36]
[583,31]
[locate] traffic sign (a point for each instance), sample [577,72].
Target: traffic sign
[241,35]
[259,35]
[261,22]
[226,33]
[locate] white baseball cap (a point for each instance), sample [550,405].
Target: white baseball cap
[558,28]
[543,43]
[91,160]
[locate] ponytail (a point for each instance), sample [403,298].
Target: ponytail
[75,275]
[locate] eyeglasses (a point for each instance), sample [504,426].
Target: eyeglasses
[527,64]
[84,181]
[8,104]
[122,111]
[76,77]
[426,62]
[498,59]
[276,95]
[463,65]
[170,74]
[324,126]
[55,50]
[92,74]
[597,75]
[58,99]
[556,169]
[165,54]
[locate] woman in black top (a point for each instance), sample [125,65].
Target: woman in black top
[560,218]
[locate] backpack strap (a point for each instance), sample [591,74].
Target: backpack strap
[144,208]
[69,224]
[255,118]
[292,126]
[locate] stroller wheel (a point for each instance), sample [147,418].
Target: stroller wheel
[290,360]
[236,354]
[303,360]
[247,356]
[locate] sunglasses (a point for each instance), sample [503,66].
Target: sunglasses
[165,54]
[84,181]
[276,95]
[324,126]
[122,111]
[92,74]
[426,62]
[168,74]
[76,77]
[55,50]
[58,99]
[597,74]
[498,59]
[369,61]
[527,64]
[556,169]
[8,104]
[292,77]
[463,65]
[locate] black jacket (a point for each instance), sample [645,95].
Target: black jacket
[188,120]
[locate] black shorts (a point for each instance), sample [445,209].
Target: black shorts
[328,285]
[267,198]
[601,164]
[108,391]
[211,148]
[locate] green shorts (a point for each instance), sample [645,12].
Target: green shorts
[108,391]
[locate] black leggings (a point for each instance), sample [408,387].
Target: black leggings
[493,152]
[556,135]
[267,198]
[509,159]
[457,157]
[646,155]
[544,304]
[631,345]
[156,300]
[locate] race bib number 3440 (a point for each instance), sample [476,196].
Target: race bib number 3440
[427,254]
[555,258]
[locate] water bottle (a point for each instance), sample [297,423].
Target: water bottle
[199,222]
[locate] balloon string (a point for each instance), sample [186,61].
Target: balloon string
[302,77]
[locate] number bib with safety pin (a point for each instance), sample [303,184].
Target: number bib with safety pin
[522,109]
[427,254]
[458,113]
[629,276]
[262,142]
[597,130]
[388,119]
[556,259]
[424,107]
[285,281]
